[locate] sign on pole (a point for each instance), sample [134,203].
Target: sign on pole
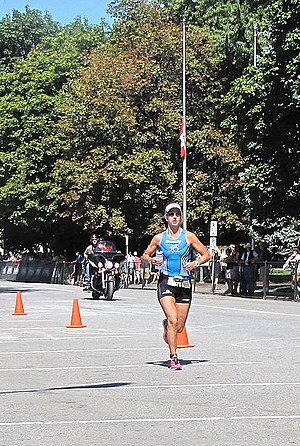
[213,234]
[126,243]
[213,228]
[213,242]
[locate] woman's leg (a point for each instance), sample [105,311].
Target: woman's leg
[169,307]
[182,314]
[176,315]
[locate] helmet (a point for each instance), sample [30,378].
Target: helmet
[94,237]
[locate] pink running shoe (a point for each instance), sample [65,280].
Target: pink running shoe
[175,364]
[165,333]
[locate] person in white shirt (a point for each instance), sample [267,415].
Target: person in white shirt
[293,264]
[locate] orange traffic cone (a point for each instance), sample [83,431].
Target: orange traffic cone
[19,309]
[76,318]
[182,340]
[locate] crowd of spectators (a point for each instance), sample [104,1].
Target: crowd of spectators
[240,267]
[137,271]
[37,253]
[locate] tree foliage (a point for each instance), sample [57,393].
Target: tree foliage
[122,118]
[265,119]
[90,120]
[21,32]
[29,143]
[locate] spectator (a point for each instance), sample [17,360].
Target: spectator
[275,257]
[263,252]
[264,255]
[11,257]
[248,264]
[215,266]
[293,264]
[130,264]
[145,272]
[77,268]
[232,269]
[124,274]
[154,274]
[137,268]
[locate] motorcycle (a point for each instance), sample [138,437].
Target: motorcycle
[105,275]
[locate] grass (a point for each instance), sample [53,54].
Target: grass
[279,272]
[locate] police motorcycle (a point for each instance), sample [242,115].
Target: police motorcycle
[104,263]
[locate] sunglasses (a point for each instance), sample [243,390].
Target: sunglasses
[174,214]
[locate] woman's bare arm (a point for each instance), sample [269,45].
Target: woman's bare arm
[195,243]
[150,250]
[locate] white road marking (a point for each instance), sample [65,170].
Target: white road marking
[128,387]
[8,319]
[201,327]
[83,350]
[151,420]
[56,338]
[183,386]
[95,330]
[124,366]
[31,328]
[251,341]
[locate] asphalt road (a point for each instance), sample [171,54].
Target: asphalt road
[109,383]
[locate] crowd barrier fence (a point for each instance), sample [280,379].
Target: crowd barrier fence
[272,280]
[36,271]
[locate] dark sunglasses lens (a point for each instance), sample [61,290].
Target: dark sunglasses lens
[171,214]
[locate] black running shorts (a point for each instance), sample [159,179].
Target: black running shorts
[182,295]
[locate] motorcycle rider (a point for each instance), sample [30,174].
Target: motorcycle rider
[91,249]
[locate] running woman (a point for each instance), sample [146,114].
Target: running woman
[174,288]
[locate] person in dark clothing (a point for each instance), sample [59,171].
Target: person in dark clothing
[248,267]
[77,268]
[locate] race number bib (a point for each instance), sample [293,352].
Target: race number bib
[178,282]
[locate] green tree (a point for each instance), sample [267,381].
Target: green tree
[265,119]
[21,32]
[116,169]
[122,120]
[228,24]
[90,121]
[29,143]
[258,106]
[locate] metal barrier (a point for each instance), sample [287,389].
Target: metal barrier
[36,271]
[277,280]
[271,280]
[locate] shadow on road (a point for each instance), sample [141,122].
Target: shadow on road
[84,387]
[13,291]
[183,362]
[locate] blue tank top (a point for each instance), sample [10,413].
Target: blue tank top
[176,252]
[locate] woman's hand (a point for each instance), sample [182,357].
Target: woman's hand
[156,261]
[189,266]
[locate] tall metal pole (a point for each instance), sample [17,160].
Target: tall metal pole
[184,205]
[254,44]
[254,64]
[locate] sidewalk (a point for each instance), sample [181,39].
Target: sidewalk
[277,291]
